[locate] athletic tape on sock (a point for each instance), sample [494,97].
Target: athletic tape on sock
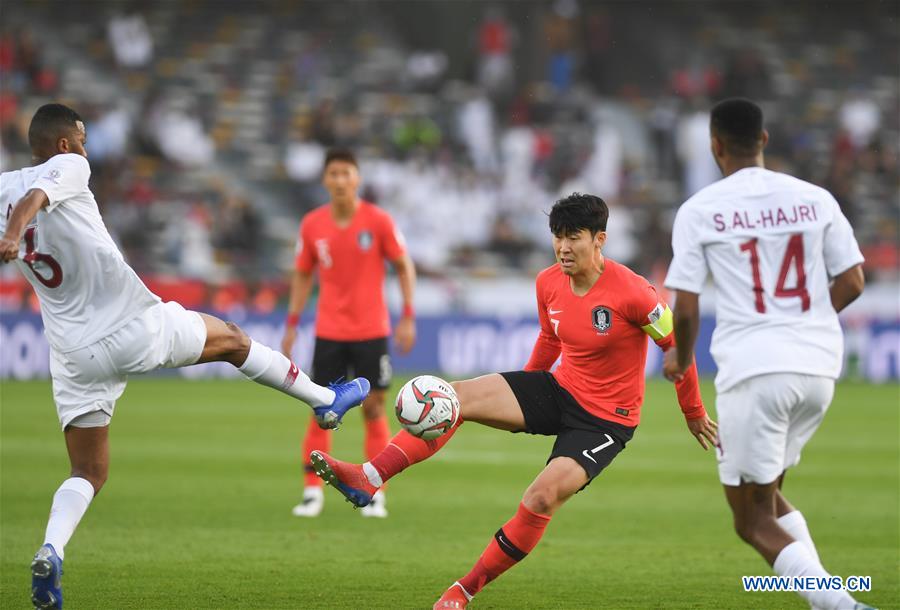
[508,547]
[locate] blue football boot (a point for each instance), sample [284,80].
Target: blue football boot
[46,570]
[346,396]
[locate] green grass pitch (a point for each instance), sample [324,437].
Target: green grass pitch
[196,512]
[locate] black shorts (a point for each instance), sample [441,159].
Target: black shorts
[349,359]
[551,411]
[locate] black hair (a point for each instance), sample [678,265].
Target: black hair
[578,211]
[340,154]
[51,122]
[738,122]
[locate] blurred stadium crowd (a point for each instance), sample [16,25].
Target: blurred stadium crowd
[208,121]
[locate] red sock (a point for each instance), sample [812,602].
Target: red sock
[510,545]
[404,450]
[316,439]
[377,434]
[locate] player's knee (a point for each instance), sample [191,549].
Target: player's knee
[460,387]
[541,500]
[236,341]
[470,400]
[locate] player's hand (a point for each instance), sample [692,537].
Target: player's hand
[405,334]
[671,370]
[9,249]
[704,430]
[287,343]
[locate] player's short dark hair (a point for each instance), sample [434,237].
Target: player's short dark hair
[738,122]
[578,211]
[340,154]
[49,123]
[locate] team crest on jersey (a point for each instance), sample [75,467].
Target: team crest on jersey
[364,239]
[601,318]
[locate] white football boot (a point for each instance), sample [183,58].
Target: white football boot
[311,506]
[376,508]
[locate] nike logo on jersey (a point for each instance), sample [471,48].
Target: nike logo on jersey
[588,452]
[553,312]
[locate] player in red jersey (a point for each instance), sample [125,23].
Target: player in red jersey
[348,240]
[597,314]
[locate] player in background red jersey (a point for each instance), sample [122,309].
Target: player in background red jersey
[348,241]
[597,314]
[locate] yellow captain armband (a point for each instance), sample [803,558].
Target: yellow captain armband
[660,325]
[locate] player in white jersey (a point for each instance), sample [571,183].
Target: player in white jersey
[103,324]
[784,261]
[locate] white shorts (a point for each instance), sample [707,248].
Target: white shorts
[91,379]
[765,421]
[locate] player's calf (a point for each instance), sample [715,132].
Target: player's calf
[510,545]
[273,369]
[96,477]
[225,342]
[88,448]
[753,507]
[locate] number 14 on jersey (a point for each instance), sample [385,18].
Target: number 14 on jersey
[793,257]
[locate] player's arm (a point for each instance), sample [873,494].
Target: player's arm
[23,213]
[547,346]
[686,323]
[686,276]
[393,248]
[843,259]
[405,333]
[301,286]
[847,287]
[660,326]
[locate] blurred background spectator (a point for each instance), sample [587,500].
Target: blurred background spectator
[207,126]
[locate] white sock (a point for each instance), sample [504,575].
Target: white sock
[795,560]
[313,492]
[795,524]
[270,368]
[70,502]
[372,474]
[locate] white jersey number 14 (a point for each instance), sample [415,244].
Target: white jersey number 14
[793,256]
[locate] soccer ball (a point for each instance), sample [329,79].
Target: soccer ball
[427,407]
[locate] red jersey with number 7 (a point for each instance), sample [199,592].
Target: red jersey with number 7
[350,261]
[602,337]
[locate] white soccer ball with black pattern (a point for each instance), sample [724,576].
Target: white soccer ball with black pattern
[427,407]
